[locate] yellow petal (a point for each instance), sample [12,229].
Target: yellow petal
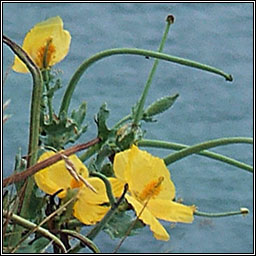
[141,168]
[171,211]
[36,40]
[87,213]
[117,186]
[146,216]
[120,164]
[56,176]
[88,196]
[88,207]
[101,196]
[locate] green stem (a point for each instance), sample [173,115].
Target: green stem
[34,115]
[86,241]
[177,146]
[73,224]
[45,74]
[133,51]
[123,120]
[29,225]
[35,101]
[205,145]
[243,211]
[94,232]
[45,59]
[110,195]
[140,107]
[88,153]
[58,211]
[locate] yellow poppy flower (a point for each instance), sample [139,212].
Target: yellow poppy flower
[56,176]
[88,207]
[47,43]
[151,191]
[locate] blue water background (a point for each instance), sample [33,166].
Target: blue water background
[218,34]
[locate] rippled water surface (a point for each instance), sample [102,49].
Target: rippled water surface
[217,34]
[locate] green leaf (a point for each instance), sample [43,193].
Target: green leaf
[79,115]
[126,140]
[68,213]
[107,170]
[34,210]
[65,129]
[119,224]
[105,151]
[54,88]
[127,135]
[38,246]
[100,119]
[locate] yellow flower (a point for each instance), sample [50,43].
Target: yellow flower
[47,43]
[88,207]
[151,191]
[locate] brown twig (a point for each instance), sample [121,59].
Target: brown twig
[75,174]
[47,162]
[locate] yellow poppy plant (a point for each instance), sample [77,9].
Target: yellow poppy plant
[151,191]
[88,206]
[47,43]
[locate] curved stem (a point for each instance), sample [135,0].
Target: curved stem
[25,199]
[123,120]
[132,51]
[86,241]
[110,195]
[33,230]
[140,107]
[35,100]
[242,211]
[205,145]
[27,224]
[94,232]
[177,146]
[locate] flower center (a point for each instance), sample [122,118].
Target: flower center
[151,190]
[75,183]
[45,54]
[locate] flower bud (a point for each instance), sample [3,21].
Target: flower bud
[160,105]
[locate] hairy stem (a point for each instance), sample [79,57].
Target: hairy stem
[205,145]
[130,51]
[242,211]
[140,107]
[177,146]
[34,118]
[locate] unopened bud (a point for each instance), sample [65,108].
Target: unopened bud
[160,105]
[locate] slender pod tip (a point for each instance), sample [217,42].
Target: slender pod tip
[244,211]
[229,78]
[176,96]
[170,18]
